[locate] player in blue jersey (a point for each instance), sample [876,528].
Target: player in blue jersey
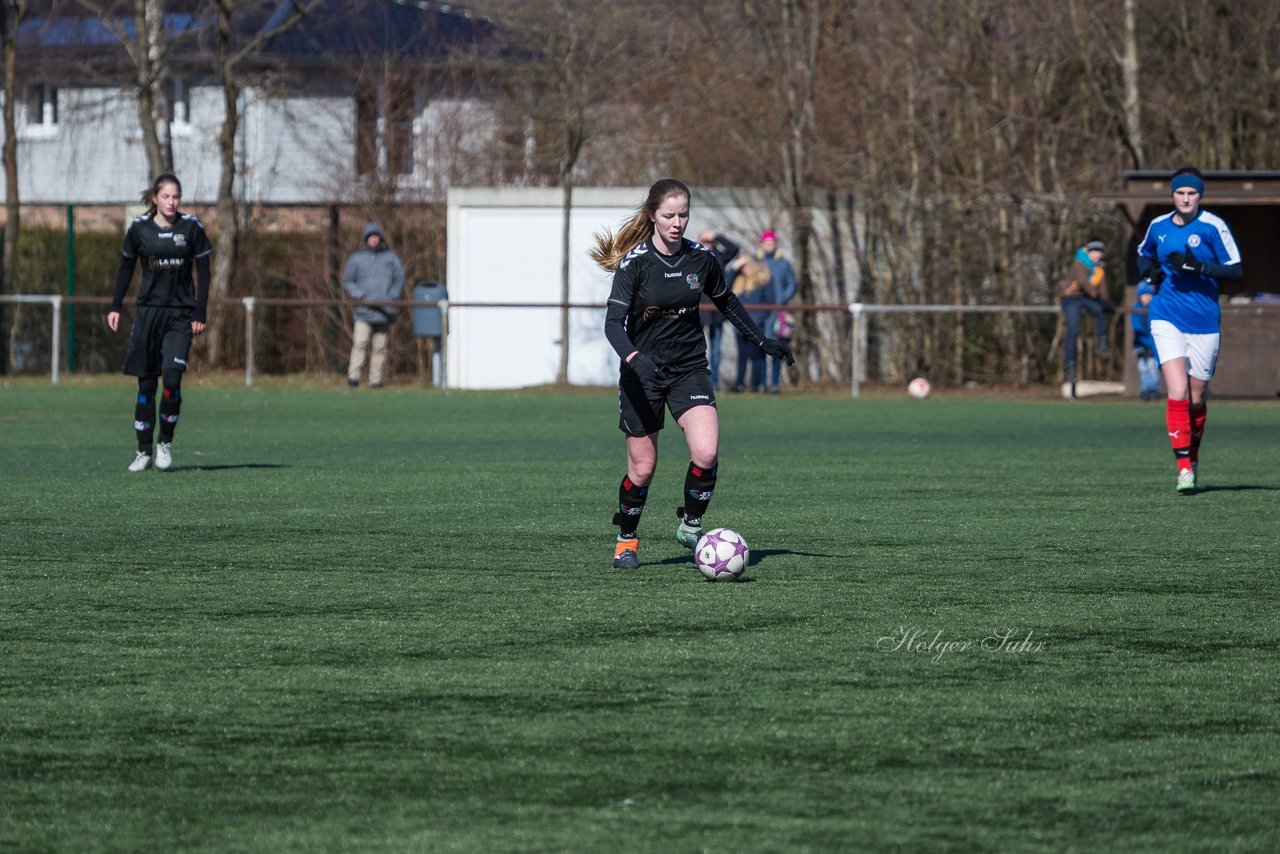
[651,321]
[172,246]
[1195,250]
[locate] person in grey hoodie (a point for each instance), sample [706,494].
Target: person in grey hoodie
[373,273]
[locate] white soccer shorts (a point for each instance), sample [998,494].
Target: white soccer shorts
[1200,351]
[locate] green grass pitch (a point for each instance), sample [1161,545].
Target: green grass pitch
[386,621]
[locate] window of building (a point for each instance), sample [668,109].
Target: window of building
[40,109]
[384,126]
[180,104]
[366,129]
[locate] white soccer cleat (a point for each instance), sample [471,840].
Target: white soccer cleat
[1186,481]
[141,462]
[164,455]
[688,534]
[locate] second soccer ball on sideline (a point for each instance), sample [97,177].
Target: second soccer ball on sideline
[919,388]
[721,555]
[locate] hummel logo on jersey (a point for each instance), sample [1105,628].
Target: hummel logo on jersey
[670,275]
[178,361]
[632,255]
[699,397]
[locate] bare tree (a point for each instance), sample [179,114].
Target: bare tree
[230,61]
[769,90]
[148,50]
[10,17]
[587,61]
[1132,96]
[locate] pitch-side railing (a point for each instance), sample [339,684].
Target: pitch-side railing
[859,333]
[54,301]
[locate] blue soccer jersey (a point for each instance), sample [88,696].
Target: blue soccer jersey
[1189,300]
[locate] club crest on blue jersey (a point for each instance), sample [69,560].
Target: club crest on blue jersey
[1193,241]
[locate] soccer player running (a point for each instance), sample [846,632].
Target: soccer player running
[1195,250]
[170,311]
[652,322]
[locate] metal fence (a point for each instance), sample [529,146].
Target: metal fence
[860,331]
[875,349]
[858,317]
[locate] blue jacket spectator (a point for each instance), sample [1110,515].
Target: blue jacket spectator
[1144,346]
[783,289]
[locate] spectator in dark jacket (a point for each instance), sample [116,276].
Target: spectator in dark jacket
[1083,291]
[725,251]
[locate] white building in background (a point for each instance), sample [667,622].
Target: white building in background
[358,89]
[505,248]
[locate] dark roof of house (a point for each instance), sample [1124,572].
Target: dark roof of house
[341,29]
[330,31]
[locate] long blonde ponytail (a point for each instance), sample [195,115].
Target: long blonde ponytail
[611,248]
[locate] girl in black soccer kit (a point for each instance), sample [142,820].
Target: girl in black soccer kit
[652,323]
[170,311]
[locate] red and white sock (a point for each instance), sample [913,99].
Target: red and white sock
[1197,414]
[1177,417]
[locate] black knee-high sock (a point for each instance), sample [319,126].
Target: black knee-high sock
[170,404]
[144,413]
[631,500]
[699,486]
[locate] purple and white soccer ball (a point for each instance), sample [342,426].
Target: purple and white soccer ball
[721,555]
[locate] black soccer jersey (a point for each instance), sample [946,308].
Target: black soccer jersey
[653,306]
[660,295]
[168,259]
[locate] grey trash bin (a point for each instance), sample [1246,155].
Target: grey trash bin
[428,322]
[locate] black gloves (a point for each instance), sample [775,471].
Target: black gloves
[649,372]
[1184,262]
[1154,278]
[777,350]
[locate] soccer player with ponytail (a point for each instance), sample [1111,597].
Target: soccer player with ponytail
[1195,250]
[652,323]
[172,246]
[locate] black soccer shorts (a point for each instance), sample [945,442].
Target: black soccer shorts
[160,339]
[641,413]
